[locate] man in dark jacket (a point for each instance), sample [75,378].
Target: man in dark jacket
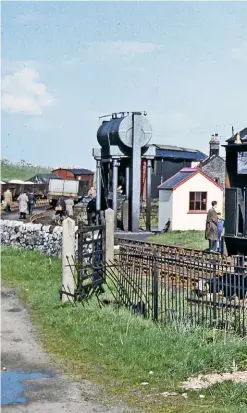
[91,211]
[211,232]
[31,202]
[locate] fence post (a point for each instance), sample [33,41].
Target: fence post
[155,287]
[109,235]
[68,254]
[214,293]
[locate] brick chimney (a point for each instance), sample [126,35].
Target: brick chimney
[214,145]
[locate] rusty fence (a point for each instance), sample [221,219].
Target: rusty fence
[184,287]
[164,283]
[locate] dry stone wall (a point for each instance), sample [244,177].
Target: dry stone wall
[46,239]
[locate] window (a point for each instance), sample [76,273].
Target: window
[242,163]
[198,201]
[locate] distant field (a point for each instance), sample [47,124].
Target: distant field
[187,239]
[20,172]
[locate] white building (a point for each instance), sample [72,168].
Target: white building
[185,199]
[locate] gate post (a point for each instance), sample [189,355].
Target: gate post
[68,254]
[214,294]
[155,287]
[109,235]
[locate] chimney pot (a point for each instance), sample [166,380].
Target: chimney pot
[214,145]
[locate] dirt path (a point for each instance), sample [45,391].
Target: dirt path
[46,390]
[14,215]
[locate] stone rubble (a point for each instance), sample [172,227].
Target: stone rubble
[205,381]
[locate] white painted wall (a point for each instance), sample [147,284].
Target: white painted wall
[165,207]
[181,219]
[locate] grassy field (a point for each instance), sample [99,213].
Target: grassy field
[118,350]
[189,239]
[12,171]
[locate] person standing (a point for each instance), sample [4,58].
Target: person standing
[211,231]
[220,229]
[23,205]
[7,200]
[92,192]
[31,202]
[91,211]
[61,208]
[69,207]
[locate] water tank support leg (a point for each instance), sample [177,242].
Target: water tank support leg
[114,189]
[98,185]
[136,174]
[148,201]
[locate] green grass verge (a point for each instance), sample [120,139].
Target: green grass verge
[187,239]
[9,172]
[119,350]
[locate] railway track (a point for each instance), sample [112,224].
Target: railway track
[192,256]
[36,216]
[39,215]
[178,266]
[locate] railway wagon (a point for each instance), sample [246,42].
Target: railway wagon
[39,190]
[66,188]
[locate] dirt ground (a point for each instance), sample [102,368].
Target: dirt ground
[52,393]
[46,219]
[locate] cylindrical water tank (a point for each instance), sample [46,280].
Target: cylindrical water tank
[118,131]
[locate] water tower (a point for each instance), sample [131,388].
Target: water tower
[123,140]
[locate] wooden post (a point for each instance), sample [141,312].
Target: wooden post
[109,235]
[68,254]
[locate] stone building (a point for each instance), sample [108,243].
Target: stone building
[214,164]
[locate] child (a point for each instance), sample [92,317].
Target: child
[220,227]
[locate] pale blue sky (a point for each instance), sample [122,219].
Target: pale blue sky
[64,64]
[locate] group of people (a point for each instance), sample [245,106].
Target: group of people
[26,202]
[214,229]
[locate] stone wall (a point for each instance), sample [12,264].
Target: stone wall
[37,237]
[47,239]
[44,238]
[215,168]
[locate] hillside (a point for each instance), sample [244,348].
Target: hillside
[17,171]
